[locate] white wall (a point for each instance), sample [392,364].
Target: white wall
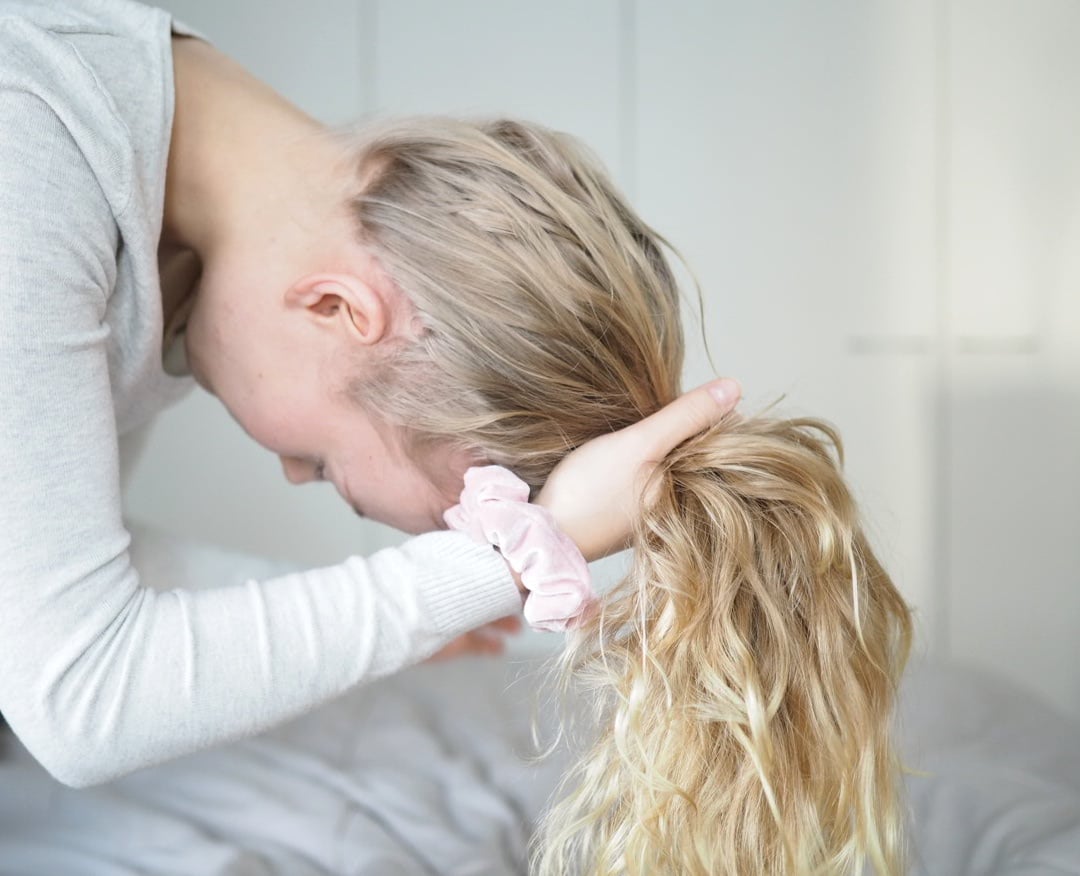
[881,201]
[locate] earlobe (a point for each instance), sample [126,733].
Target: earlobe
[341,299]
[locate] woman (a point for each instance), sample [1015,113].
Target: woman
[402,309]
[214,227]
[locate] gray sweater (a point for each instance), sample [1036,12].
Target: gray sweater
[100,674]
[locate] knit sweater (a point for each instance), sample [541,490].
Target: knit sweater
[101,674]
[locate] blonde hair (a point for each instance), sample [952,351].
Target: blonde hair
[743,675]
[745,671]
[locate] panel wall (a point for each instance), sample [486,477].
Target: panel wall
[790,155]
[1013,174]
[557,63]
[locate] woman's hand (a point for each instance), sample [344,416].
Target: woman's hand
[489,639]
[596,490]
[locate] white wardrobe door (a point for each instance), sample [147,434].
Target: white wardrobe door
[313,53]
[789,153]
[1014,291]
[557,63]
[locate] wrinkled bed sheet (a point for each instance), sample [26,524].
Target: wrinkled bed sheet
[430,772]
[424,775]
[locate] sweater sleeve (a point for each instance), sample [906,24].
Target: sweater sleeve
[100,675]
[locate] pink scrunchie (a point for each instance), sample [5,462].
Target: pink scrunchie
[495,509]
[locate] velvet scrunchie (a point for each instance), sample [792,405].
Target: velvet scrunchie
[494,509]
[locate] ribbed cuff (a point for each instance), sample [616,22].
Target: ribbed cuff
[469,584]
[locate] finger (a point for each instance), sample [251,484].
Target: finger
[486,643]
[689,414]
[509,624]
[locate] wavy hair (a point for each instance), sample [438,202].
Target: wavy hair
[744,673]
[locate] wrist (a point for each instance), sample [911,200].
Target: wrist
[594,538]
[544,561]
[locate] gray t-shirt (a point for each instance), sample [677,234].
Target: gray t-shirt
[100,675]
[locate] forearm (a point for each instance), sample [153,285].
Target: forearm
[148,676]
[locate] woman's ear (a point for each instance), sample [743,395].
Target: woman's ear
[341,299]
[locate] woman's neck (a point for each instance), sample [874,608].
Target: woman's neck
[247,172]
[236,148]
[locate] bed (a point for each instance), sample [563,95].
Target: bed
[431,772]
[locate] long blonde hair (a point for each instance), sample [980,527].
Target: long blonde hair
[744,673]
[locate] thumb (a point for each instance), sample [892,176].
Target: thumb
[690,413]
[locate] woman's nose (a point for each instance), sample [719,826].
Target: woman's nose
[297,471]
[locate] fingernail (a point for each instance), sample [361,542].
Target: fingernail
[725,391]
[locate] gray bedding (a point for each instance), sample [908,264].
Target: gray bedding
[429,773]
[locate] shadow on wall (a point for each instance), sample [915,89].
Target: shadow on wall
[1012,472]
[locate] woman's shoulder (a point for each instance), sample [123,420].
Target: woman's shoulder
[82,16]
[103,67]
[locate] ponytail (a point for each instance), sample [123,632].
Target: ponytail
[742,676]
